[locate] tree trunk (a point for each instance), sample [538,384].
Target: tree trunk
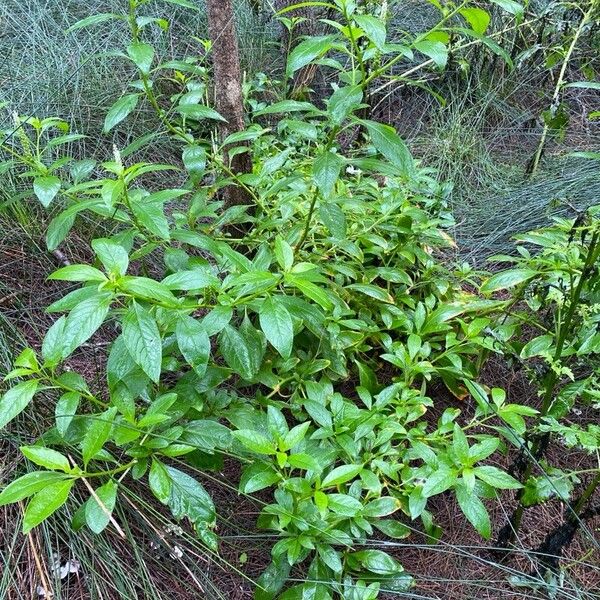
[228,89]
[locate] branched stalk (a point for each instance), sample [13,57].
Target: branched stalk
[311,209]
[160,113]
[535,162]
[510,530]
[587,494]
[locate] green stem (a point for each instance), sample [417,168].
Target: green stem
[357,51]
[160,113]
[587,494]
[311,209]
[550,384]
[111,472]
[400,56]
[559,85]
[55,384]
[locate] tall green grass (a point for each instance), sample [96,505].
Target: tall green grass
[45,70]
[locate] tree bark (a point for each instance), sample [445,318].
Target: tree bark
[229,100]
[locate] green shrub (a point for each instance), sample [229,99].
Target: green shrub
[303,335]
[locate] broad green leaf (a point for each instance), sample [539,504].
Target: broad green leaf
[27,485]
[507,279]
[552,484]
[460,445]
[272,579]
[416,503]
[307,51]
[242,350]
[158,411]
[437,51]
[27,359]
[120,110]
[16,400]
[483,449]
[391,145]
[93,20]
[257,476]
[275,163]
[244,136]
[190,499]
[194,160]
[477,18]
[78,273]
[284,253]
[381,507]
[436,321]
[304,461]
[306,4]
[65,139]
[97,434]
[392,528]
[160,482]
[82,169]
[326,172]
[142,55]
[374,29]
[184,4]
[277,325]
[334,219]
[111,192]
[98,517]
[310,290]
[194,279]
[46,188]
[216,320]
[167,195]
[330,557]
[301,128]
[112,255]
[377,561]
[344,505]
[46,457]
[497,478]
[52,345]
[83,321]
[142,340]
[58,229]
[341,474]
[194,343]
[474,510]
[510,6]
[45,502]
[254,441]
[65,410]
[151,214]
[372,291]
[287,106]
[294,436]
[276,422]
[538,346]
[207,435]
[199,112]
[439,481]
[490,43]
[343,102]
[148,289]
